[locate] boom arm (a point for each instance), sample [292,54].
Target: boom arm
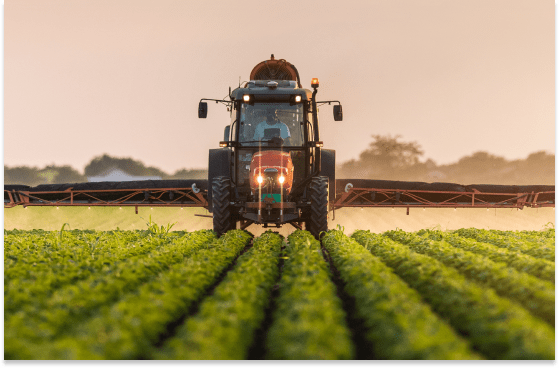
[386,193]
[351,193]
[146,193]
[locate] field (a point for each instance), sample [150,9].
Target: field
[159,294]
[374,219]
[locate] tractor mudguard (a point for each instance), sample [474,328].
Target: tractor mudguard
[219,165]
[328,168]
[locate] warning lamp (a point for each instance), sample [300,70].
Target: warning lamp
[223,143]
[314,83]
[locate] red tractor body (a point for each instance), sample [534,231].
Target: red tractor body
[271,172]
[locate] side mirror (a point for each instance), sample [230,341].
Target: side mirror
[226,133]
[203,110]
[338,114]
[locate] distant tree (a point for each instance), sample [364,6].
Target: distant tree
[483,167]
[190,174]
[101,164]
[482,160]
[21,175]
[47,175]
[386,158]
[389,152]
[541,158]
[539,167]
[65,174]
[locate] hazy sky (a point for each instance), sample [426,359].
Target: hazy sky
[83,78]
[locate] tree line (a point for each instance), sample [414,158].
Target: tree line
[101,165]
[386,158]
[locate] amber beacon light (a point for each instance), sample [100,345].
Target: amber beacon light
[314,83]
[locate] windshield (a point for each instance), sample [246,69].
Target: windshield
[262,122]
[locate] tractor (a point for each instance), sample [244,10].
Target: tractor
[272,168]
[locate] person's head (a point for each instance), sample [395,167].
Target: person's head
[271,117]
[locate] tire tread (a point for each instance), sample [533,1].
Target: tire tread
[222,217]
[318,220]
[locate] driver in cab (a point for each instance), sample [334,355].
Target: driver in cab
[271,128]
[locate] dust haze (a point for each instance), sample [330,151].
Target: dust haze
[377,220]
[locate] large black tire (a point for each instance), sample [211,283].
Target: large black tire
[221,203]
[318,215]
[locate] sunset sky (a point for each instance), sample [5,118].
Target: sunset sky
[124,77]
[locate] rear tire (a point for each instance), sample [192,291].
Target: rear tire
[222,217]
[318,220]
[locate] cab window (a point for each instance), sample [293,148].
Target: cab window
[262,122]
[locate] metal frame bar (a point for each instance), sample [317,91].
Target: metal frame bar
[361,197]
[151,197]
[355,197]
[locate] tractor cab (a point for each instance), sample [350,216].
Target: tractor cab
[270,130]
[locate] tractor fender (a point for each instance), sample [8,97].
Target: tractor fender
[219,165]
[328,168]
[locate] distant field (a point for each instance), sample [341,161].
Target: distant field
[374,219]
[103,218]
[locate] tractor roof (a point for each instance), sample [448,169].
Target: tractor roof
[272,79]
[262,89]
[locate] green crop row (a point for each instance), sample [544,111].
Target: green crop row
[128,328]
[32,255]
[78,300]
[497,327]
[27,255]
[535,295]
[537,267]
[38,247]
[225,324]
[546,236]
[37,270]
[398,324]
[45,319]
[517,245]
[47,250]
[309,322]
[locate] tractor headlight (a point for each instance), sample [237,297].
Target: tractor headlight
[259,179]
[281,179]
